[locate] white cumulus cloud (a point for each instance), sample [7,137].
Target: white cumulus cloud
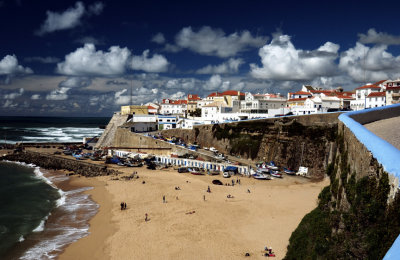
[14,95]
[58,94]
[88,61]
[120,98]
[374,63]
[375,37]
[282,61]
[214,42]
[9,66]
[35,97]
[229,67]
[157,63]
[215,83]
[68,19]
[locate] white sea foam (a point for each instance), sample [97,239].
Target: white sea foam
[71,202]
[57,134]
[79,228]
[40,228]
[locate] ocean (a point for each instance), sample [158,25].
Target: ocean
[49,129]
[40,214]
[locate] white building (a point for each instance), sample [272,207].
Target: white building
[375,99]
[208,112]
[392,95]
[167,122]
[142,123]
[173,107]
[261,103]
[361,95]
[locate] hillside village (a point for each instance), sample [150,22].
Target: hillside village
[235,105]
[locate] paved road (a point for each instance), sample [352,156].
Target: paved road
[387,129]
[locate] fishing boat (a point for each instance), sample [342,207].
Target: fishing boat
[261,176]
[276,174]
[263,170]
[271,165]
[288,171]
[195,171]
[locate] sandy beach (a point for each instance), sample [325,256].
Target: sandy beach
[187,226]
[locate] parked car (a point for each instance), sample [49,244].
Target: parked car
[183,169]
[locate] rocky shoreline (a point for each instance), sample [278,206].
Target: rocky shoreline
[52,162]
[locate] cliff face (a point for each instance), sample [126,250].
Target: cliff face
[292,141]
[357,214]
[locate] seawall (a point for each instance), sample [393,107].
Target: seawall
[107,137]
[53,162]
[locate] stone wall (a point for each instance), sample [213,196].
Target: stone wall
[53,162]
[107,137]
[128,141]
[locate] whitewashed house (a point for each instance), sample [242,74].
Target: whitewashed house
[173,107]
[361,95]
[375,99]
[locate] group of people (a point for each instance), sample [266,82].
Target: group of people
[177,188]
[123,205]
[268,252]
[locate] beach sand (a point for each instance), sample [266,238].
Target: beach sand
[101,228]
[187,227]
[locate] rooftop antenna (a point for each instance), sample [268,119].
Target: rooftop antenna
[365,77]
[131,91]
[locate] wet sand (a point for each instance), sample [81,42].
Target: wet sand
[93,246]
[187,227]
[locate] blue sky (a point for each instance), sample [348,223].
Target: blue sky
[82,57]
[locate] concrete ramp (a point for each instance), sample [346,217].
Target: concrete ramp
[107,137]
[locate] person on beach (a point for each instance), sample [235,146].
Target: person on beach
[163,198]
[204,197]
[122,205]
[146,218]
[248,190]
[208,189]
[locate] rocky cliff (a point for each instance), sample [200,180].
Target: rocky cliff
[358,213]
[289,141]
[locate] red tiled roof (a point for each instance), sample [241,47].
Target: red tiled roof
[379,82]
[368,86]
[377,94]
[232,93]
[193,97]
[215,94]
[345,96]
[175,102]
[150,107]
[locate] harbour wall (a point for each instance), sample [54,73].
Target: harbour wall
[54,162]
